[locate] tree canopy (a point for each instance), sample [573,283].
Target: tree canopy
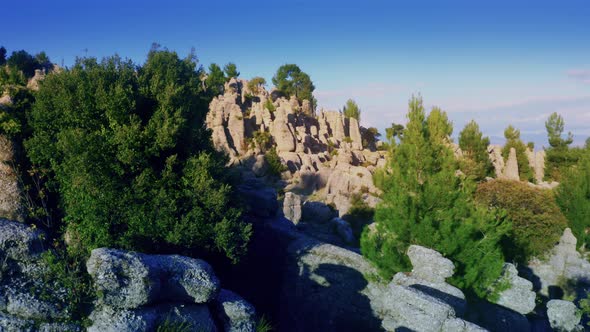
[351,110]
[230,70]
[476,162]
[215,80]
[125,149]
[291,81]
[425,203]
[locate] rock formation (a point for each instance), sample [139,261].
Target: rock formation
[134,292]
[563,263]
[563,316]
[323,153]
[10,193]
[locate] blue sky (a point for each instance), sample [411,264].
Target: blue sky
[498,62]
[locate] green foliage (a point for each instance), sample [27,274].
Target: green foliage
[269,105]
[573,197]
[291,81]
[555,126]
[537,221]
[215,80]
[351,110]
[23,61]
[476,162]
[255,85]
[559,155]
[513,140]
[230,70]
[66,270]
[125,149]
[424,203]
[2,56]
[263,325]
[173,325]
[275,166]
[369,137]
[262,139]
[584,305]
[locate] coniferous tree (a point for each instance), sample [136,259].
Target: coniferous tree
[291,81]
[425,203]
[230,70]
[559,155]
[476,162]
[215,80]
[351,110]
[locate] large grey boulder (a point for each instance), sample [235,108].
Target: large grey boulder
[292,207]
[519,296]
[343,229]
[563,316]
[129,280]
[10,191]
[429,265]
[191,317]
[59,327]
[261,199]
[236,314]
[25,305]
[20,242]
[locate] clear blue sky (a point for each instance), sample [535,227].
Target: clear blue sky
[498,62]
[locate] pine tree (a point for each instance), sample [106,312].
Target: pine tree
[476,162]
[425,203]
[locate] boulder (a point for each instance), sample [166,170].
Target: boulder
[519,296]
[25,305]
[261,199]
[563,316]
[235,313]
[59,327]
[129,280]
[167,317]
[20,242]
[10,193]
[292,207]
[429,265]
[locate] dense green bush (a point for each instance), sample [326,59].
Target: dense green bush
[275,166]
[425,203]
[537,221]
[125,149]
[291,81]
[573,196]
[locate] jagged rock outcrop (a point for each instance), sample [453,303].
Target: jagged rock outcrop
[323,153]
[537,163]
[563,316]
[236,314]
[563,263]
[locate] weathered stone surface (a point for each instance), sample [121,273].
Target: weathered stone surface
[563,316]
[235,126]
[25,305]
[196,317]
[236,314]
[20,242]
[292,207]
[511,169]
[355,134]
[59,327]
[563,262]
[13,324]
[129,280]
[520,296]
[429,265]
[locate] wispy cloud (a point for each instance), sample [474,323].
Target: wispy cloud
[581,75]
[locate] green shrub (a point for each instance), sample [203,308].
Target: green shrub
[513,140]
[424,203]
[125,149]
[573,197]
[537,222]
[263,139]
[275,166]
[269,105]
